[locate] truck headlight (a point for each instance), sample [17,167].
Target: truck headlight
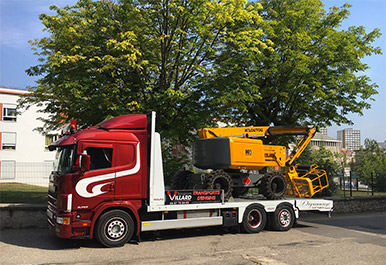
[63,220]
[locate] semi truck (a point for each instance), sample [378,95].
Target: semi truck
[108,184]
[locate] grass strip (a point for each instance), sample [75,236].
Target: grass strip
[22,193]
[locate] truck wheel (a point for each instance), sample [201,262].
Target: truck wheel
[114,228]
[254,219]
[220,180]
[283,218]
[273,186]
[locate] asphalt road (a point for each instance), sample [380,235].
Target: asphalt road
[343,239]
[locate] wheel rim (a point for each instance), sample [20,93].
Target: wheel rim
[277,185]
[254,218]
[221,184]
[115,229]
[284,218]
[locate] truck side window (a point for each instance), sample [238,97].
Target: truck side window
[99,157]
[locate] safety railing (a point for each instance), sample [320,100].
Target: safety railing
[306,184]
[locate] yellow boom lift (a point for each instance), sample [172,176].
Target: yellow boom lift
[236,153]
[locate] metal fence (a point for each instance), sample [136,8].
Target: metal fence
[31,173]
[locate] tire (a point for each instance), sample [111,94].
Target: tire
[273,186]
[182,181]
[254,219]
[283,218]
[239,191]
[114,228]
[220,180]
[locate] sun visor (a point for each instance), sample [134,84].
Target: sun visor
[128,122]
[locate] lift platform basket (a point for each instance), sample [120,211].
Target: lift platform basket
[302,182]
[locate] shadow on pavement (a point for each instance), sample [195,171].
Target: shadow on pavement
[44,239]
[365,222]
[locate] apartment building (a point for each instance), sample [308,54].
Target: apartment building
[24,156]
[351,139]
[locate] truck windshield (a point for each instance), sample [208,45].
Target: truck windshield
[64,159]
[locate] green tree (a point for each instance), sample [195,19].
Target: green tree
[312,74]
[108,58]
[370,161]
[104,59]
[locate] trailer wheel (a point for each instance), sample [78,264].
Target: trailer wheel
[254,219]
[273,186]
[283,218]
[114,228]
[220,180]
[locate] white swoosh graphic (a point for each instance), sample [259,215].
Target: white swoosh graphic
[81,186]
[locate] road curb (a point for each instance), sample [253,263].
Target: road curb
[360,204]
[21,216]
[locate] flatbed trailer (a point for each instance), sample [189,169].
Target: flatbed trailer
[117,203]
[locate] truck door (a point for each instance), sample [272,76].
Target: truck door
[128,171]
[98,184]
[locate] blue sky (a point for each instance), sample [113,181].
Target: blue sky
[19,23]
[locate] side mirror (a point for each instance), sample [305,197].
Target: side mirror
[84,163]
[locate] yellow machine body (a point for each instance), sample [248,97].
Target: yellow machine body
[253,154]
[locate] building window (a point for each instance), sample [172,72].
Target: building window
[49,139]
[8,169]
[9,112]
[9,141]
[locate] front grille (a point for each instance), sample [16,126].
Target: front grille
[53,190]
[52,199]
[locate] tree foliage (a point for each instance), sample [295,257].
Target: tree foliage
[312,74]
[259,62]
[370,162]
[104,59]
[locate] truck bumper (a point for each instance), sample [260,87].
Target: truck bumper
[63,226]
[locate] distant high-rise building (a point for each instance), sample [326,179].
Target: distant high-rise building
[351,139]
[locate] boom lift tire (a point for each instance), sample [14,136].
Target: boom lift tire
[239,191]
[283,218]
[182,181]
[114,228]
[254,219]
[273,186]
[220,180]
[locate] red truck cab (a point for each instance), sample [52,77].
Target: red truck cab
[99,169]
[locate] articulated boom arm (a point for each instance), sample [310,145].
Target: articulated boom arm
[302,144]
[262,131]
